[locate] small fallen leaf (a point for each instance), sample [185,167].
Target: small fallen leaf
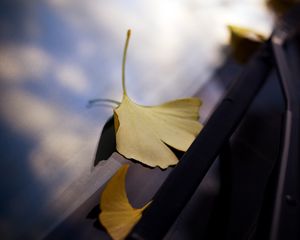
[244,42]
[143,132]
[117,215]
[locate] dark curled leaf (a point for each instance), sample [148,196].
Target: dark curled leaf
[107,142]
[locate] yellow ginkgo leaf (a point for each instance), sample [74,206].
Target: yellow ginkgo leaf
[244,42]
[117,215]
[143,133]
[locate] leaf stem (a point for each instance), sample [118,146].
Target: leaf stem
[124,61]
[92,102]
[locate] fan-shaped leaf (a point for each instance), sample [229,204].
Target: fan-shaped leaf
[143,132]
[117,215]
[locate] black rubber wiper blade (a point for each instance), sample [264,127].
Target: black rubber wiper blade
[286,215]
[180,185]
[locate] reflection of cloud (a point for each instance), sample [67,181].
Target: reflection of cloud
[60,135]
[63,150]
[174,43]
[86,48]
[19,63]
[29,63]
[71,77]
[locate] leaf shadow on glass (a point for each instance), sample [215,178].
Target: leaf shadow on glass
[107,142]
[93,214]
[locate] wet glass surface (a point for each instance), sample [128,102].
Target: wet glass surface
[56,55]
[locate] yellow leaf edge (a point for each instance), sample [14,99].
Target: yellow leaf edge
[116,185]
[246,33]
